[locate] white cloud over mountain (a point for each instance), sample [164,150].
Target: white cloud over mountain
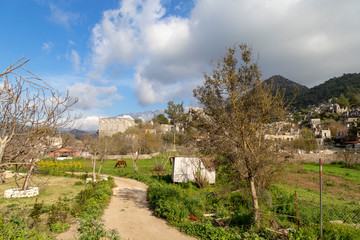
[306,41]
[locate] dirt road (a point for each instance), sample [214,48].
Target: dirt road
[128,212]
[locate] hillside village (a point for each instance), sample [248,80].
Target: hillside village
[330,126]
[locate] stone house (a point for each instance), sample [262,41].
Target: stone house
[110,126]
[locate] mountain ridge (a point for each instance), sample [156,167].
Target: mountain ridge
[321,93]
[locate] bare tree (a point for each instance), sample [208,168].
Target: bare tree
[30,111]
[99,147]
[238,107]
[142,139]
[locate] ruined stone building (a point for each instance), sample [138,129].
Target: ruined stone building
[110,126]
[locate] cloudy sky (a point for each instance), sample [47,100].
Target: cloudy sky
[136,55]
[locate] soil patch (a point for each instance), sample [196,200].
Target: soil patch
[333,185]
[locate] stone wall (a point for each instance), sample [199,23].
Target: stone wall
[110,126]
[18,193]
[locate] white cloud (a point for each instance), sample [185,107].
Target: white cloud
[75,59]
[306,41]
[90,96]
[89,123]
[47,46]
[61,17]
[71,43]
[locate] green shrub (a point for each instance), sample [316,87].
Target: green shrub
[15,227]
[205,230]
[59,211]
[59,227]
[36,212]
[173,203]
[94,198]
[94,230]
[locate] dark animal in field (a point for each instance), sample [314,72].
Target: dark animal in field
[120,163]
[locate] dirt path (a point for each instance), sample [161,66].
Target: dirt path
[129,214]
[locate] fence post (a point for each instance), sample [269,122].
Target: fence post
[320,172]
[297,211]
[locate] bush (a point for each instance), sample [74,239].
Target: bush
[15,227]
[172,203]
[94,230]
[59,211]
[59,227]
[93,199]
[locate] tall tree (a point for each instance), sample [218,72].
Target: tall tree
[30,110]
[342,101]
[161,119]
[354,130]
[175,112]
[237,109]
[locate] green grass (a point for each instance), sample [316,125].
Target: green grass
[145,167]
[352,174]
[176,202]
[56,187]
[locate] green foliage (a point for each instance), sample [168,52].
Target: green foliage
[59,227]
[91,229]
[348,83]
[176,202]
[305,144]
[342,101]
[36,212]
[175,112]
[354,130]
[283,201]
[205,230]
[173,203]
[59,211]
[337,170]
[354,98]
[93,199]
[16,227]
[138,120]
[161,119]
[330,231]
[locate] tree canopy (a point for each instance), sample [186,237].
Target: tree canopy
[238,107]
[175,112]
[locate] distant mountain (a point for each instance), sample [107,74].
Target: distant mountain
[329,89]
[78,132]
[291,88]
[320,93]
[148,115]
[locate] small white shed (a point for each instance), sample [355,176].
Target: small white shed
[184,169]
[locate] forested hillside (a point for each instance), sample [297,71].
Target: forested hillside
[347,84]
[291,88]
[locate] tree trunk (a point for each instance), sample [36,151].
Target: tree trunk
[255,202]
[101,163]
[3,143]
[27,178]
[93,168]
[134,161]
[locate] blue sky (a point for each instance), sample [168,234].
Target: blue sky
[136,55]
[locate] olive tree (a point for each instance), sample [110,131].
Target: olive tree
[238,107]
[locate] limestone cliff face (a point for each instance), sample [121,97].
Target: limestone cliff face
[110,126]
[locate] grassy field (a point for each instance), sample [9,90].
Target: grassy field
[341,198]
[49,193]
[146,167]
